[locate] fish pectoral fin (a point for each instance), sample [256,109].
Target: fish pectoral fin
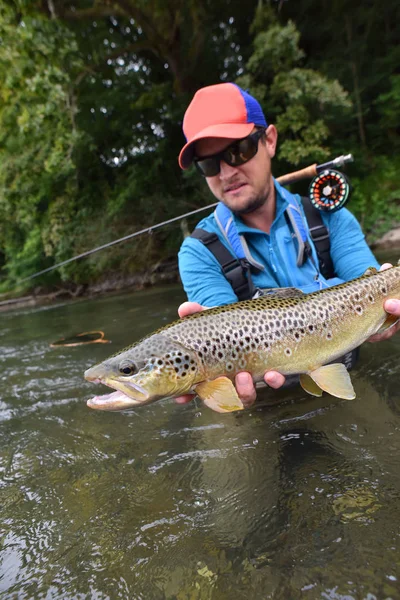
[220,395]
[309,385]
[390,321]
[335,380]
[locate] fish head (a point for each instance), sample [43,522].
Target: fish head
[157,367]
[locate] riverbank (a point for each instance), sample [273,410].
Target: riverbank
[387,249]
[160,273]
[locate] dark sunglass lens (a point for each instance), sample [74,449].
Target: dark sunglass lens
[240,152]
[208,167]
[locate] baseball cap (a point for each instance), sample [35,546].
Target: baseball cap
[223,110]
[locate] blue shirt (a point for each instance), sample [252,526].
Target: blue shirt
[203,278]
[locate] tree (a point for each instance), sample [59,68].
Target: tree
[303,103]
[38,138]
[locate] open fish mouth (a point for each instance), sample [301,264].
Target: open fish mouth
[119,400]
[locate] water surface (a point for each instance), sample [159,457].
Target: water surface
[296,498]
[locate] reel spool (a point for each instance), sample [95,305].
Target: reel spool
[329,190]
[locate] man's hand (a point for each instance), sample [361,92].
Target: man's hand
[243,381]
[392,307]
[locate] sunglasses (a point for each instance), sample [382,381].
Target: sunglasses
[238,153]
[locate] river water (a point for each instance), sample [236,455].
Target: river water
[298,497]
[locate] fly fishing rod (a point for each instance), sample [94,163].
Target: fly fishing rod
[328,191]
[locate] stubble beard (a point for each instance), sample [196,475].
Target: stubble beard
[253,205]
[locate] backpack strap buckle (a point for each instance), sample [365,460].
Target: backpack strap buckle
[319,233]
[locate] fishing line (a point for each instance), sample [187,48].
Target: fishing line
[123,239]
[307,172]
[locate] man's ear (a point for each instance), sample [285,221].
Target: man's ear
[271,139]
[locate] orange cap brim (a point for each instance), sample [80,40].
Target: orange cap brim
[231,131]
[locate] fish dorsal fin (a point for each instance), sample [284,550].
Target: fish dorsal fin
[335,380]
[309,385]
[220,395]
[288,292]
[370,271]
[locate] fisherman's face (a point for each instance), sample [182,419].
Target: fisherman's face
[244,188]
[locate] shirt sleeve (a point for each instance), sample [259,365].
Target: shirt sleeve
[350,252]
[202,276]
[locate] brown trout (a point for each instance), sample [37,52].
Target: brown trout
[299,334]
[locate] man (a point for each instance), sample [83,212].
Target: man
[232,145]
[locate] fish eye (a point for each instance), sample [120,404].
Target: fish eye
[127,367]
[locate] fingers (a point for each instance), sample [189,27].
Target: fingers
[392,306]
[274,379]
[386,266]
[188,308]
[184,399]
[245,388]
[379,337]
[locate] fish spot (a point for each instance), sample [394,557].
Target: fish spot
[329,335]
[288,352]
[359,310]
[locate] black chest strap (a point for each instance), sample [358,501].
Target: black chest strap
[320,237]
[236,271]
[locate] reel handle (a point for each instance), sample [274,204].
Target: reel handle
[313,170]
[306,173]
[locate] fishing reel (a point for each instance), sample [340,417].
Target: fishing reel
[329,190]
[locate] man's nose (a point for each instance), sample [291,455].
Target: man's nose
[226,171]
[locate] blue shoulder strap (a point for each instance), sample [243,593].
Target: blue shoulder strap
[296,220]
[228,228]
[237,243]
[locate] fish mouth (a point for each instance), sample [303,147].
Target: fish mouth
[127,395]
[114,401]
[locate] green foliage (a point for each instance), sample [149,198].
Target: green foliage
[92,96]
[37,137]
[388,107]
[302,102]
[376,197]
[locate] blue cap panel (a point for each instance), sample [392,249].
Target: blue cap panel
[254,111]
